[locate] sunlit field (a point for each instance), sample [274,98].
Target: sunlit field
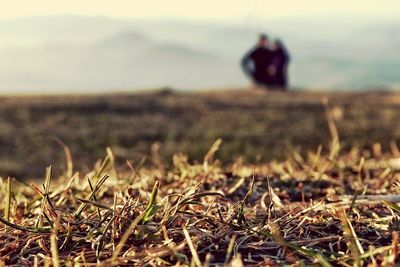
[254,125]
[224,178]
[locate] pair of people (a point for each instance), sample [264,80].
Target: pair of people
[267,66]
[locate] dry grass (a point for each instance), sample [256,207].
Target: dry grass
[324,209]
[256,125]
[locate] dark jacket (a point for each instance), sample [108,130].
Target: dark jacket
[255,64]
[280,60]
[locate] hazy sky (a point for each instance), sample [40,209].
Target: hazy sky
[209,9]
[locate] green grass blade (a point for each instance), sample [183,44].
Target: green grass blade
[321,259]
[135,222]
[391,206]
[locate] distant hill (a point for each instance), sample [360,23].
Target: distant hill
[58,54]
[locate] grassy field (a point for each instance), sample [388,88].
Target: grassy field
[258,126]
[322,210]
[294,180]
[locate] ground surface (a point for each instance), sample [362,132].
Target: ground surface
[259,126]
[330,203]
[325,209]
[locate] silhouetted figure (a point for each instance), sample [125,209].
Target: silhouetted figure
[279,63]
[256,63]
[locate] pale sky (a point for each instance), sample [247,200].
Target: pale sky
[205,9]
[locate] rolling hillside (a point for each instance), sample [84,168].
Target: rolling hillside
[55,54]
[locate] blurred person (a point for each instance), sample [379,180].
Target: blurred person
[279,65]
[256,63]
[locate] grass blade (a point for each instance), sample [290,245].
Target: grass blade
[26,229]
[7,207]
[135,222]
[230,249]
[323,261]
[392,206]
[192,249]
[83,206]
[351,237]
[46,187]
[54,250]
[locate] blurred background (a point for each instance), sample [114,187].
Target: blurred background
[150,79]
[98,46]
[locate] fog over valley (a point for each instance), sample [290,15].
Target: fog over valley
[97,54]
